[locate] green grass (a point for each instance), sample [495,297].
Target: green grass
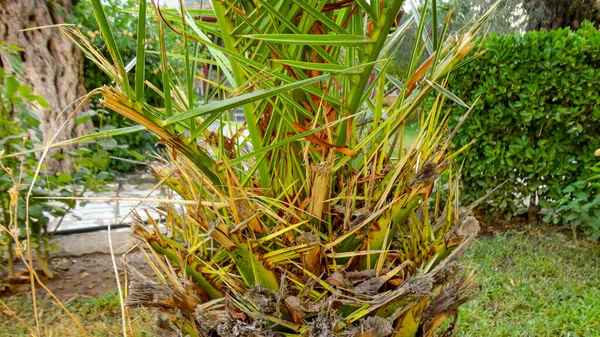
[556,289]
[556,292]
[101,317]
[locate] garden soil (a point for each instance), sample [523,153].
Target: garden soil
[75,276]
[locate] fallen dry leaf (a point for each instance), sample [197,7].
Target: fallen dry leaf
[9,312]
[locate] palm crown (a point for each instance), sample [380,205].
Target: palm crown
[332,221]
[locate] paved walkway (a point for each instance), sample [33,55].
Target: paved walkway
[95,213]
[92,213]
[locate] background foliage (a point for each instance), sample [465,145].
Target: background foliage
[133,145]
[509,18]
[19,133]
[535,125]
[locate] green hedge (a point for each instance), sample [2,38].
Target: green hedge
[535,125]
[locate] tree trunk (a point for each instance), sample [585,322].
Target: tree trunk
[53,65]
[556,14]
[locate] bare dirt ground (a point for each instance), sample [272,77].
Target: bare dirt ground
[75,276]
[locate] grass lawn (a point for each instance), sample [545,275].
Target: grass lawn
[534,286]
[100,316]
[531,286]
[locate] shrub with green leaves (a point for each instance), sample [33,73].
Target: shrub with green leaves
[134,145]
[535,124]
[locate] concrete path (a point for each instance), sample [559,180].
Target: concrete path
[106,212]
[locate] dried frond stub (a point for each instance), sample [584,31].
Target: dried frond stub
[447,273]
[443,302]
[370,286]
[338,280]
[321,176]
[420,286]
[312,257]
[374,327]
[144,292]
[446,304]
[242,329]
[296,308]
[265,300]
[206,321]
[308,238]
[427,173]
[148,293]
[324,325]
[162,327]
[248,214]
[295,303]
[468,227]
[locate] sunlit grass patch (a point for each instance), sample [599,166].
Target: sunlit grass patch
[100,316]
[534,286]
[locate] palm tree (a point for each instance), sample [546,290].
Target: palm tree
[318,215]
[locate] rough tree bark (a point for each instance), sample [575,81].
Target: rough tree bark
[555,14]
[53,65]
